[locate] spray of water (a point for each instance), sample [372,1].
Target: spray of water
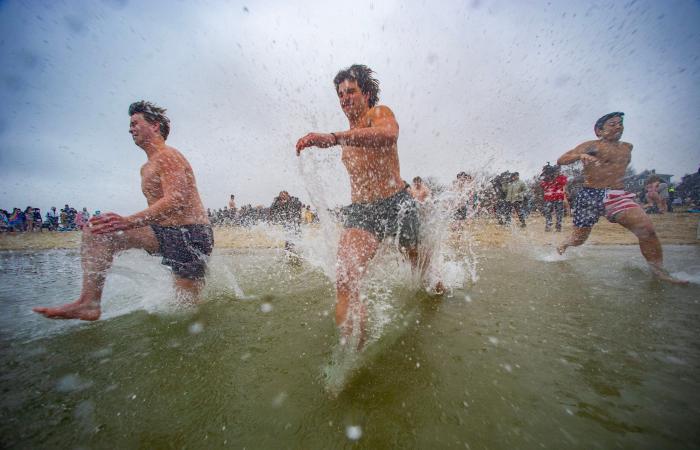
[390,282]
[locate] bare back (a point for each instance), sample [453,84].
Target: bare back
[374,172]
[609,169]
[169,177]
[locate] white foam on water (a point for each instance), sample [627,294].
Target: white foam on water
[685,276]
[222,280]
[550,256]
[135,282]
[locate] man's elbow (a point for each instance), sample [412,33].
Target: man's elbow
[392,136]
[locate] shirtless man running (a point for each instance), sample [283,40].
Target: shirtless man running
[380,205]
[604,163]
[175,224]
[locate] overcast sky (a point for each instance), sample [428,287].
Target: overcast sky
[475,85]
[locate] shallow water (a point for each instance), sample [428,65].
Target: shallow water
[584,352]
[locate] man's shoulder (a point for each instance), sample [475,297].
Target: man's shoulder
[379,111]
[170,156]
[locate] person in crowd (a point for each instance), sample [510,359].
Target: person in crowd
[29,219]
[554,192]
[654,203]
[419,191]
[515,198]
[52,219]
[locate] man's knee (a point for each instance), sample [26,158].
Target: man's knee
[645,231]
[347,278]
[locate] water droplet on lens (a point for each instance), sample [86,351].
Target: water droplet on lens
[353,432]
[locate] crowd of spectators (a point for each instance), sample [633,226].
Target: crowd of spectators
[30,219]
[286,210]
[500,196]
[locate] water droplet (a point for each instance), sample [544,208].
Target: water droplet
[266,307]
[353,432]
[279,399]
[196,328]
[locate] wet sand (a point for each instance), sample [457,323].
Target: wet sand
[675,228]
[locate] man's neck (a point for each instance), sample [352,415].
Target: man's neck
[357,121]
[153,148]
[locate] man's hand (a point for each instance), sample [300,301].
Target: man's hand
[585,158]
[108,223]
[321,140]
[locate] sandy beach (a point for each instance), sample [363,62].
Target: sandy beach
[674,228]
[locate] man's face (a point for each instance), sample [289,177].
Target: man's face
[353,102]
[141,130]
[612,129]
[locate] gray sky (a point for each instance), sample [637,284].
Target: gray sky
[475,85]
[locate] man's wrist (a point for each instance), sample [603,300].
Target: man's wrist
[135,221]
[335,139]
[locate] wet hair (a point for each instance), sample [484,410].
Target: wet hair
[600,122]
[550,169]
[363,76]
[152,114]
[417,179]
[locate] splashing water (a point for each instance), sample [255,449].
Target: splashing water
[389,284]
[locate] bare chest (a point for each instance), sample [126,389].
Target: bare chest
[151,185]
[613,155]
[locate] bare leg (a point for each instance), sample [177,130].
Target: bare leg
[639,223]
[188,290]
[578,237]
[356,248]
[97,252]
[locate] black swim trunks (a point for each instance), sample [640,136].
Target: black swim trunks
[185,248]
[397,214]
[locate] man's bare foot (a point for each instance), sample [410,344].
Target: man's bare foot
[663,275]
[77,310]
[439,289]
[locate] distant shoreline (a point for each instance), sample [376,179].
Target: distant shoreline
[673,229]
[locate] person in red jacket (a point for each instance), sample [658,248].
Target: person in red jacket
[553,185]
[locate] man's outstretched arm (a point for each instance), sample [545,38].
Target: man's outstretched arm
[175,185]
[584,153]
[383,132]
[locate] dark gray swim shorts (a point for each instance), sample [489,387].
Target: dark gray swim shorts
[397,214]
[185,248]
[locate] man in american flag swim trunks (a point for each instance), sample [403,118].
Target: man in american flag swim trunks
[604,163]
